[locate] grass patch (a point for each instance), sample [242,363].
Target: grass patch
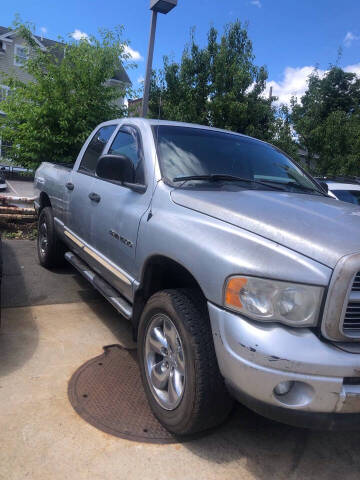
[20,230]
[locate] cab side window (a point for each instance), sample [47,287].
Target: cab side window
[95,149]
[126,143]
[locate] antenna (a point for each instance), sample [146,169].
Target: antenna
[159,115]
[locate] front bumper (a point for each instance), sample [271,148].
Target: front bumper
[255,357]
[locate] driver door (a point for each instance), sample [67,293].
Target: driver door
[116,217]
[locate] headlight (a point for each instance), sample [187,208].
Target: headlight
[274,301]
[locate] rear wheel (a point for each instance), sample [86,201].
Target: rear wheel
[50,249]
[178,363]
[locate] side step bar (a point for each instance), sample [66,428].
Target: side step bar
[121,305]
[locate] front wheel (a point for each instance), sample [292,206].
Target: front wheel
[178,363]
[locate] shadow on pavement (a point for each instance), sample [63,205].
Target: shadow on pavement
[18,334]
[26,283]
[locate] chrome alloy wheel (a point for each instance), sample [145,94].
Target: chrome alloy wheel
[164,361]
[43,238]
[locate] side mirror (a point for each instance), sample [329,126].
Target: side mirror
[324,186]
[118,168]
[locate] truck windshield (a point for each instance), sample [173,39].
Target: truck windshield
[196,152]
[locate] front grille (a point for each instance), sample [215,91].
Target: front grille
[352,317]
[351,323]
[356,284]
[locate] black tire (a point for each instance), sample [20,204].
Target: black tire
[50,253]
[205,401]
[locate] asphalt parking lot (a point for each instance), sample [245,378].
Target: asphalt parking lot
[52,323]
[19,188]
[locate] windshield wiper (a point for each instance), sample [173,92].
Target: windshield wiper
[309,189]
[215,177]
[304,188]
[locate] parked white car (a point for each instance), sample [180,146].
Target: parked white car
[344,190]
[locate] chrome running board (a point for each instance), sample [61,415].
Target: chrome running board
[114,297]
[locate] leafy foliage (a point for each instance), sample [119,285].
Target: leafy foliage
[327,121]
[49,118]
[220,86]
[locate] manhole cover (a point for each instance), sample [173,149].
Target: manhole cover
[107,392]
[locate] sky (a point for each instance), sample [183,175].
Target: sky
[290,37]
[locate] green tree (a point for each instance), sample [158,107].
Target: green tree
[49,118]
[220,86]
[327,121]
[282,132]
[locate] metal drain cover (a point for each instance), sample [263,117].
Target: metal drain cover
[107,392]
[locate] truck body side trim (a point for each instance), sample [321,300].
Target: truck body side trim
[74,239]
[89,251]
[105,264]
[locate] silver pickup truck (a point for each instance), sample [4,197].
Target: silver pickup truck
[241,277]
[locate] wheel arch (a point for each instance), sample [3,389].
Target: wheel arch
[159,273]
[44,201]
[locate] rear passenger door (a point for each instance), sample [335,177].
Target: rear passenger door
[117,216]
[80,209]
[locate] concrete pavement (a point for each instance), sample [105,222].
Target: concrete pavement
[60,324]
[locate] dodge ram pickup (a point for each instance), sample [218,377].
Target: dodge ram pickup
[240,275]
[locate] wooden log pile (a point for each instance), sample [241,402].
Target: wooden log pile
[10,211]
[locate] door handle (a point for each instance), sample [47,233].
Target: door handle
[94,197]
[69,186]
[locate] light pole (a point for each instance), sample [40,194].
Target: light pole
[157,6]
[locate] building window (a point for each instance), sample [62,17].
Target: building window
[21,55]
[4,92]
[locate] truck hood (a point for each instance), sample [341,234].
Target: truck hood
[319,227]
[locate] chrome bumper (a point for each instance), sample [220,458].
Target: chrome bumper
[254,358]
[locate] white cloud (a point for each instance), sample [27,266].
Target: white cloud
[257,3]
[141,79]
[294,82]
[79,35]
[350,38]
[353,69]
[43,30]
[134,54]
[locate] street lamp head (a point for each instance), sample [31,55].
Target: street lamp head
[157,6]
[162,6]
